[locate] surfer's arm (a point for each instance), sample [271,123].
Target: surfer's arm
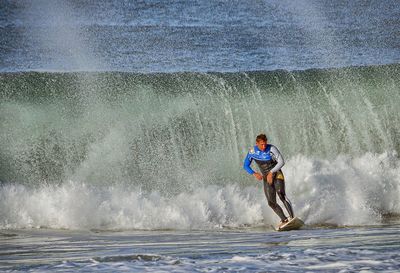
[247,163]
[278,158]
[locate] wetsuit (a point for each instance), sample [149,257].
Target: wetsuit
[270,160]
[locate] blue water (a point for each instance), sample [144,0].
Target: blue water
[166,36]
[142,172]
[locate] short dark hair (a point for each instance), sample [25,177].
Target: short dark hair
[261,137]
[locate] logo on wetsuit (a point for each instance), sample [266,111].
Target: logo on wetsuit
[259,155]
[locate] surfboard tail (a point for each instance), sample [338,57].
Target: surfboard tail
[293,224]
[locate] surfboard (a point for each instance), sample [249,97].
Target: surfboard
[293,224]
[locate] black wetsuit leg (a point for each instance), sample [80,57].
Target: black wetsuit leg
[280,190]
[270,193]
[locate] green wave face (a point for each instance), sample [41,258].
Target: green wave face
[154,130]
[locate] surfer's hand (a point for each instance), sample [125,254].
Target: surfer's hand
[270,178]
[258,176]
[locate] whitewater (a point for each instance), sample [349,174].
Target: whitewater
[164,151]
[340,192]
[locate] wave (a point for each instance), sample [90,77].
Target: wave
[118,126]
[345,191]
[142,146]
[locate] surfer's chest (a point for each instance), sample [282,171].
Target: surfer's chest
[263,156]
[264,161]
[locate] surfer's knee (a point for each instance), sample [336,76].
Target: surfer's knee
[281,195]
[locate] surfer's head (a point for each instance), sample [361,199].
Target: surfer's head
[261,141]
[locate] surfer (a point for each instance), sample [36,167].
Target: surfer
[270,162]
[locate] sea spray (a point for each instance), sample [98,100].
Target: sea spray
[181,133]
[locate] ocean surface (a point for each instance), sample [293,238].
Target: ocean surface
[356,249]
[124,125]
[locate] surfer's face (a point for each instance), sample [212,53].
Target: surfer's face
[261,144]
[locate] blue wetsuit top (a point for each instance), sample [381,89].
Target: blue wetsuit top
[269,160]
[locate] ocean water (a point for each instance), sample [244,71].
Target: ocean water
[358,249]
[124,124]
[171,36]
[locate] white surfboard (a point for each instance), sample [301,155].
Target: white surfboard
[293,224]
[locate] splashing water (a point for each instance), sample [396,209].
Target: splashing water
[147,139]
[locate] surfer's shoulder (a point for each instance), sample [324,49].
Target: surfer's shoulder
[272,146]
[274,150]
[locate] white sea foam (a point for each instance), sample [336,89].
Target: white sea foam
[343,191]
[77,206]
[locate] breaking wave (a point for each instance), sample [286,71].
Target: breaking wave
[163,151]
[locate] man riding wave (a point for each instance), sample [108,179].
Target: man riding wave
[269,161]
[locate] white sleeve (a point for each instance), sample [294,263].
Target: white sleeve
[278,157]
